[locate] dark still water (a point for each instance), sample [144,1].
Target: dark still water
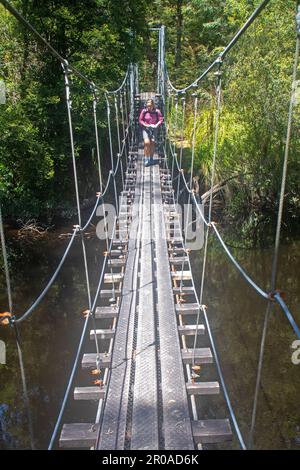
[50,339]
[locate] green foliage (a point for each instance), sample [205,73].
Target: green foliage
[96,36]
[256,86]
[100,38]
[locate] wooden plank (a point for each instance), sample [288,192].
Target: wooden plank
[117,405]
[177,249]
[89,393]
[118,252]
[116,263]
[187,309]
[123,243]
[108,293]
[174,240]
[124,213]
[166,192]
[102,334]
[173,233]
[211,431]
[120,242]
[89,360]
[172,224]
[184,275]
[106,312]
[122,233]
[201,356]
[203,388]
[78,435]
[190,330]
[115,278]
[186,290]
[172,217]
[178,260]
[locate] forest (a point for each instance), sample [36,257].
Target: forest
[100,37]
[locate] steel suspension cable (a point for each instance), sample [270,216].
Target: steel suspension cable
[109,131]
[51,281]
[175,131]
[194,139]
[278,230]
[168,123]
[5,262]
[95,101]
[91,314]
[76,361]
[112,92]
[86,270]
[118,135]
[215,149]
[183,101]
[216,357]
[26,23]
[17,334]
[38,300]
[223,54]
[159,62]
[107,371]
[124,123]
[216,137]
[195,98]
[233,260]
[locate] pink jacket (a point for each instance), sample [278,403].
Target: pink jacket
[150,117]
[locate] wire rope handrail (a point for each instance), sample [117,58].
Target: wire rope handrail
[259,290]
[223,54]
[78,352]
[218,365]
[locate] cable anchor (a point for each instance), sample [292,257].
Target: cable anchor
[7,318]
[272,294]
[77,228]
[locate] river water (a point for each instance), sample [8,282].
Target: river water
[50,339]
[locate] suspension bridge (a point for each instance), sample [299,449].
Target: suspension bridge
[147,322]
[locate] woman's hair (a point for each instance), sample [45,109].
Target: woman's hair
[150,101]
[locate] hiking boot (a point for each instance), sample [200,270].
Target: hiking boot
[149,161]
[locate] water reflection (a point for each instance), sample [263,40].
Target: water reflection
[236,314]
[50,339]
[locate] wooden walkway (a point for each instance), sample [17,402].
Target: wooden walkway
[145,402]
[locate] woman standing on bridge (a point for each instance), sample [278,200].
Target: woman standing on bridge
[150,119]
